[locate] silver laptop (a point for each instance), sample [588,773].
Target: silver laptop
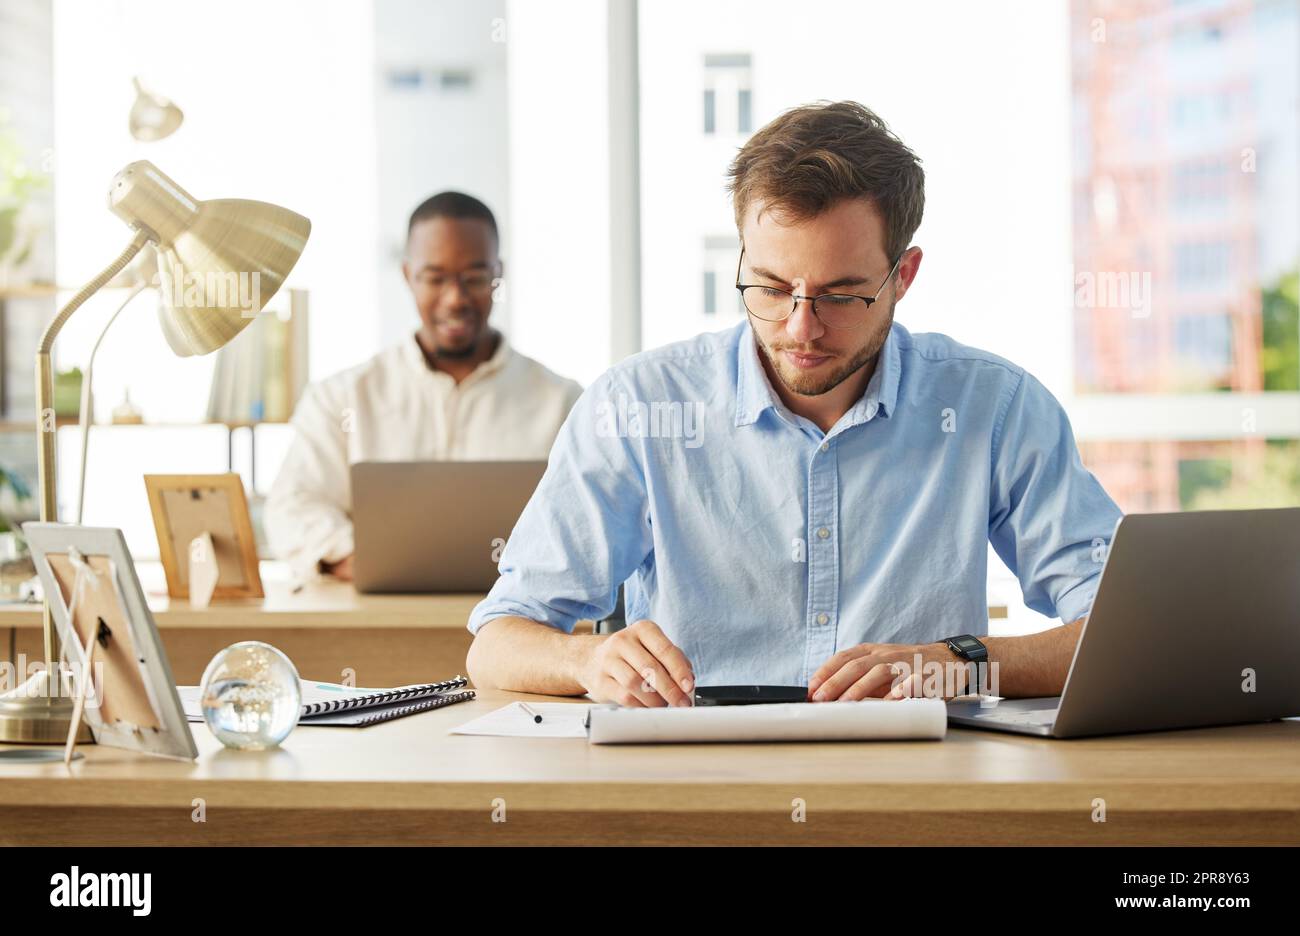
[435,526]
[1196,623]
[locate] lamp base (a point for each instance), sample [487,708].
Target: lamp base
[38,713]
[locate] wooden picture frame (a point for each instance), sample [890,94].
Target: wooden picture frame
[187,506]
[136,705]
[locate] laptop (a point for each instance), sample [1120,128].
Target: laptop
[435,526]
[1196,622]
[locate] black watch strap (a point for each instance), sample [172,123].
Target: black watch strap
[972,650]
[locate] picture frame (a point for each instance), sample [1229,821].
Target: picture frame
[184,508]
[135,704]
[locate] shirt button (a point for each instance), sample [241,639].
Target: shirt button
[823,618]
[826,446]
[871,411]
[823,533]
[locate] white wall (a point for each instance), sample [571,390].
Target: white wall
[559,280]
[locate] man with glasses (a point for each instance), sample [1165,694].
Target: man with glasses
[454,390]
[827,522]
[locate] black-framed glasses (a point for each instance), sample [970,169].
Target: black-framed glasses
[834,310]
[477,283]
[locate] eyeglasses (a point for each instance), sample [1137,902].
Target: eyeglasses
[476,283]
[834,310]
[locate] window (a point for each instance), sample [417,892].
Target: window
[1219,345]
[404,79]
[719,262]
[456,80]
[1202,265]
[1201,186]
[1203,351]
[727,94]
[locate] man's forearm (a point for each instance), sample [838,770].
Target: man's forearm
[1035,664]
[305,530]
[523,656]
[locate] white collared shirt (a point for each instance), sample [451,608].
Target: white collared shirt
[395,407]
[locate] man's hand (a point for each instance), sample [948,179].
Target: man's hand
[638,666]
[340,570]
[889,671]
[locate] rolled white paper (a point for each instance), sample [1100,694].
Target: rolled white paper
[868,720]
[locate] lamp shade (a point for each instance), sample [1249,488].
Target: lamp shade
[219,261]
[152,116]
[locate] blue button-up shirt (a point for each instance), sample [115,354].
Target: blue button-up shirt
[762,545]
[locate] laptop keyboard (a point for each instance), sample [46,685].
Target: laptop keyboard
[1044,716]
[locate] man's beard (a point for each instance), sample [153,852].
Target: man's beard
[473,343]
[815,385]
[442,352]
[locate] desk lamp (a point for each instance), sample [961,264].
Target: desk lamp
[219,262]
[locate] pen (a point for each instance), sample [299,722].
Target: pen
[537,719]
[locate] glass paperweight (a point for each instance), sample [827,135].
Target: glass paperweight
[250,696]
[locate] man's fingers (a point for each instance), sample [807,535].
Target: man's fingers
[910,687]
[837,662]
[874,684]
[829,669]
[629,682]
[654,675]
[668,654]
[839,682]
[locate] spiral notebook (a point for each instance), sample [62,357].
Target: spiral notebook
[331,704]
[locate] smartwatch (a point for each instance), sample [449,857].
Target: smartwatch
[972,650]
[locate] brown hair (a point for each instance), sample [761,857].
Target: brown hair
[811,157]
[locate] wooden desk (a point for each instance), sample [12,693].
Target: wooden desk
[409,781]
[325,628]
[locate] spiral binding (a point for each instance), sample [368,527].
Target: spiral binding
[423,705]
[391,695]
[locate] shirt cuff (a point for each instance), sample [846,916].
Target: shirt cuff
[339,545]
[1077,602]
[491,608]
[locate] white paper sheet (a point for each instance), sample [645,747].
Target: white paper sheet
[871,719]
[559,720]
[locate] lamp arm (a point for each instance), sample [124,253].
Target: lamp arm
[87,397]
[52,330]
[45,423]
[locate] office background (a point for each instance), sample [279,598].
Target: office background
[1112,199]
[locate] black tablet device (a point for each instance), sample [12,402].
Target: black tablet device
[749,695]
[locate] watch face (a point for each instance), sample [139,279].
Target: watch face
[967,644]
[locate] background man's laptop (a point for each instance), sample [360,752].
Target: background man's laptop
[1196,622]
[435,526]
